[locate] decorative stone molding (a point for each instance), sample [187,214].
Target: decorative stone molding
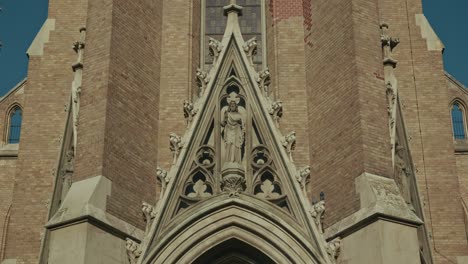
[189,112]
[402,173]
[175,142]
[233,178]
[276,111]
[77,67]
[67,172]
[250,48]
[264,80]
[317,212]
[133,251]
[333,249]
[289,142]
[303,178]
[202,80]
[215,47]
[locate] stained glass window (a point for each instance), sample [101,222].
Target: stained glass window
[250,24]
[16,119]
[458,121]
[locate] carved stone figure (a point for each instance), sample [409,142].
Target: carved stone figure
[77,67]
[289,142]
[202,80]
[149,212]
[189,112]
[317,212]
[215,48]
[250,48]
[402,173]
[276,111]
[175,146]
[303,178]
[388,44]
[133,250]
[162,176]
[334,248]
[233,125]
[263,80]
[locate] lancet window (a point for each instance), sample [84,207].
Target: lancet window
[14,129]
[458,121]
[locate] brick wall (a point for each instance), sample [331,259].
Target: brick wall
[422,88]
[117,135]
[47,93]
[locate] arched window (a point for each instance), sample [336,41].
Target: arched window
[458,121]
[14,131]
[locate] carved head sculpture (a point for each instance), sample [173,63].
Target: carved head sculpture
[233,100]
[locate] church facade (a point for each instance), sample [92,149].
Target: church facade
[234,131]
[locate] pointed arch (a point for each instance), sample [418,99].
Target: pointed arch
[14,120]
[252,221]
[458,116]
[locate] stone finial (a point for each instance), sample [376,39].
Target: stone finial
[333,249]
[189,112]
[215,48]
[276,111]
[289,142]
[175,146]
[317,212]
[149,212]
[202,80]
[250,48]
[388,44]
[264,80]
[133,250]
[303,178]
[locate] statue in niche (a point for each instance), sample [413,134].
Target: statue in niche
[233,129]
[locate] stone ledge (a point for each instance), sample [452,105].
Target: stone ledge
[380,200]
[86,202]
[9,150]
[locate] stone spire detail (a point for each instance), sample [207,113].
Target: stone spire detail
[77,67]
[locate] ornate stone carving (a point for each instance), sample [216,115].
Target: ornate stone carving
[77,67]
[303,178]
[250,48]
[215,48]
[149,212]
[133,250]
[199,190]
[276,111]
[268,190]
[264,80]
[67,172]
[162,177]
[334,248]
[189,112]
[175,146]
[317,212]
[202,80]
[289,142]
[388,44]
[402,173]
[391,105]
[233,180]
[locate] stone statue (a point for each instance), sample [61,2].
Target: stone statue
[149,212]
[175,142]
[289,142]
[133,250]
[317,212]
[233,128]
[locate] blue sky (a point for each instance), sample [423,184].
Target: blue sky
[19,25]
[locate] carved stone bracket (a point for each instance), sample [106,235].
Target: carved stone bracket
[303,178]
[215,48]
[388,44]
[133,251]
[162,177]
[334,248]
[189,112]
[202,80]
[149,212]
[276,111]
[233,180]
[289,142]
[264,80]
[250,48]
[175,146]
[317,212]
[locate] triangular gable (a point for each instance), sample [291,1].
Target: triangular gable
[232,151]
